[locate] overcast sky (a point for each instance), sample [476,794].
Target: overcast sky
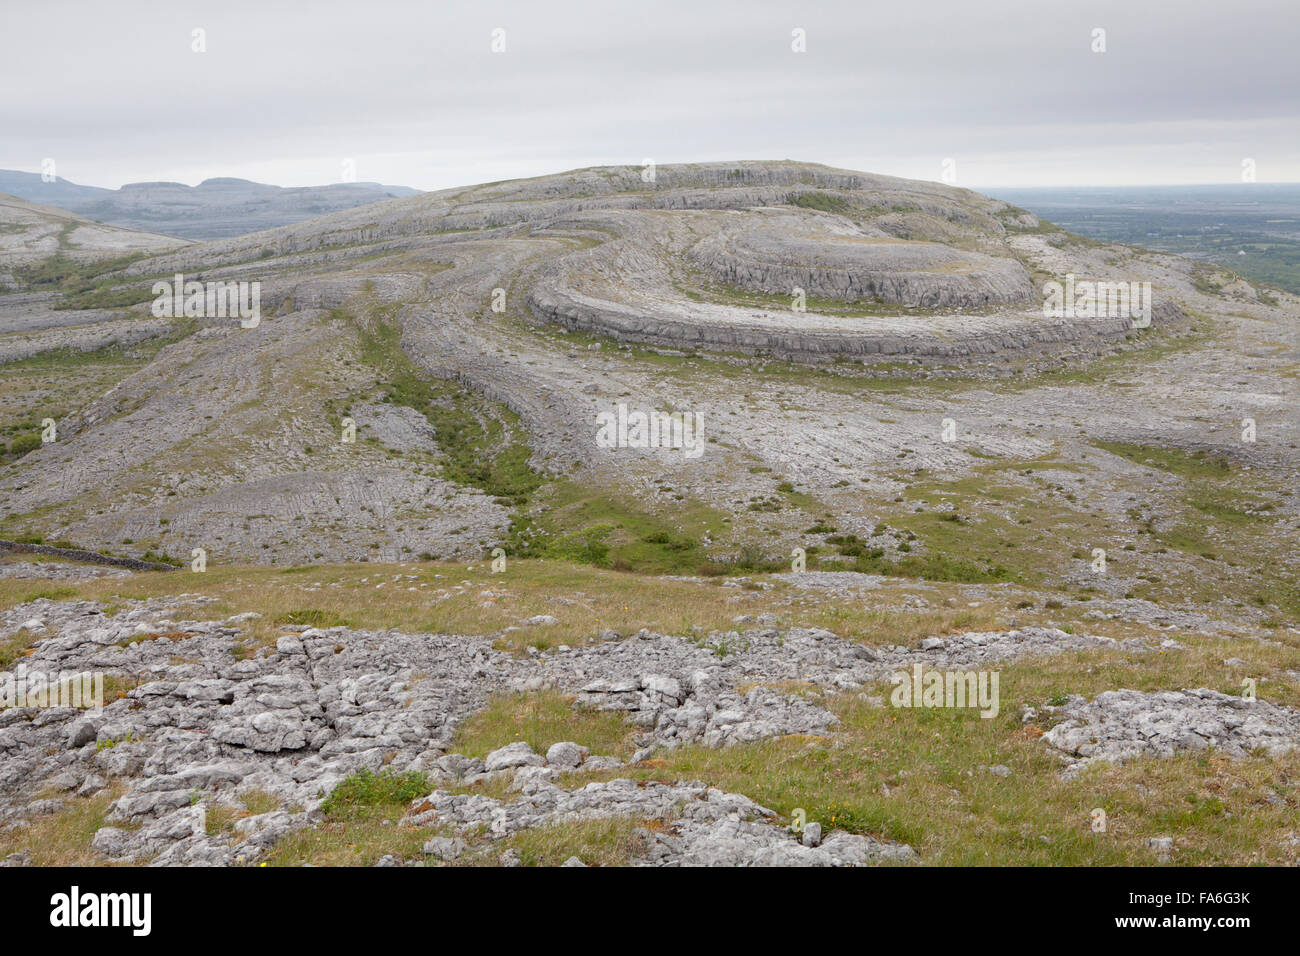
[412,93]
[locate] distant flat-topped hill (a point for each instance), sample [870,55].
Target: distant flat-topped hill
[214,209]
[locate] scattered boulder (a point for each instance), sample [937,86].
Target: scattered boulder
[444,848]
[518,754]
[566,755]
[812,835]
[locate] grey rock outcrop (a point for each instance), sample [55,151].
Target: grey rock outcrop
[198,727]
[1122,724]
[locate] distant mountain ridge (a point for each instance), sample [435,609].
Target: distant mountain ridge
[216,208]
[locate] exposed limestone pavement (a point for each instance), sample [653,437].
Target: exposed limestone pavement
[196,724]
[34,231]
[58,572]
[686,692]
[1119,725]
[709,827]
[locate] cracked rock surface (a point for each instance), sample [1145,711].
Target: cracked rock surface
[709,826]
[689,691]
[1119,725]
[197,724]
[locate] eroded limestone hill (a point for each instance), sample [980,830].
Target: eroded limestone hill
[473,337]
[31,232]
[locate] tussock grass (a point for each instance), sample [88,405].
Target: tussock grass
[360,837]
[469,599]
[459,598]
[221,817]
[63,838]
[541,719]
[606,842]
[920,776]
[16,646]
[361,824]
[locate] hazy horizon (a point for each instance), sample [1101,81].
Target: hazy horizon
[977,187]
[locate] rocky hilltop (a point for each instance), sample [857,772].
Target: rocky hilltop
[532,297]
[31,232]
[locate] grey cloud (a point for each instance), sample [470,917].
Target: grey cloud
[114,93]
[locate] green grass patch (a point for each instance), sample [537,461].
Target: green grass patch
[575,523]
[608,842]
[367,789]
[1188,465]
[542,719]
[87,285]
[822,201]
[314,617]
[484,445]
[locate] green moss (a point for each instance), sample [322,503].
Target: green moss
[482,441]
